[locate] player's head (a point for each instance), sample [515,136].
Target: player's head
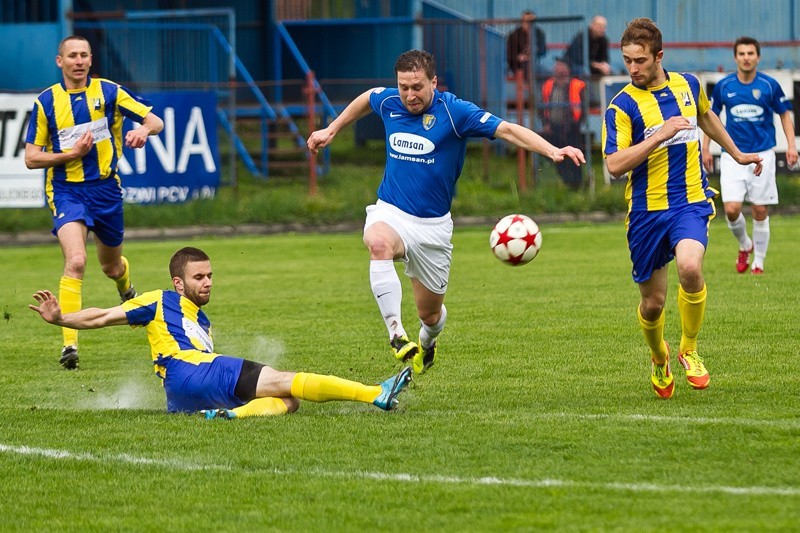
[747,41]
[746,53]
[190,269]
[74,59]
[416,79]
[642,52]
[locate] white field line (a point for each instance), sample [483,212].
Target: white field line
[779,423]
[179,465]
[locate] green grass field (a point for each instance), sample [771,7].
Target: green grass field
[538,414]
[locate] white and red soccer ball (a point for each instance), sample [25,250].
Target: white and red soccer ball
[515,239]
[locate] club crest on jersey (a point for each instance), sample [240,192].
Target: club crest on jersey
[428,121]
[96,103]
[687,101]
[756,93]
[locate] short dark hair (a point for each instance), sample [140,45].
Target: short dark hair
[179,260]
[416,60]
[72,38]
[747,40]
[645,33]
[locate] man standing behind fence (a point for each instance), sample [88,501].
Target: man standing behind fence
[562,116]
[520,48]
[75,132]
[750,99]
[426,143]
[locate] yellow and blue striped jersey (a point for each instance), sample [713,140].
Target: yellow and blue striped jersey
[672,175]
[60,116]
[175,326]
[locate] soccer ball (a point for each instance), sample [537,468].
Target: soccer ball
[515,239]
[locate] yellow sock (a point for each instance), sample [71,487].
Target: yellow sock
[692,307]
[69,297]
[318,388]
[653,331]
[262,407]
[124,281]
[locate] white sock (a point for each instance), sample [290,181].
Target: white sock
[760,242]
[388,294]
[427,334]
[739,229]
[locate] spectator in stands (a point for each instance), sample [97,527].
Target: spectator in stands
[598,56]
[520,48]
[75,133]
[562,116]
[751,99]
[598,49]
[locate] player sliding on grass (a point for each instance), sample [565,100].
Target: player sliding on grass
[426,142]
[196,378]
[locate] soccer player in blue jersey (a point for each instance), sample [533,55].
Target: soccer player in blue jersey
[195,377]
[426,141]
[75,132]
[750,99]
[650,133]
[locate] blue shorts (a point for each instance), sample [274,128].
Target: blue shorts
[192,387]
[653,235]
[97,203]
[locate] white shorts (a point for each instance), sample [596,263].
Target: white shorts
[429,251]
[739,184]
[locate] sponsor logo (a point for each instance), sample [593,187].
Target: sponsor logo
[428,121]
[393,114]
[485,117]
[68,136]
[747,112]
[410,144]
[731,95]
[379,90]
[681,137]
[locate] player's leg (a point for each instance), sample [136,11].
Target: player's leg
[430,254]
[432,316]
[761,236]
[762,191]
[109,228]
[321,388]
[691,305]
[650,314]
[72,238]
[733,185]
[116,267]
[385,246]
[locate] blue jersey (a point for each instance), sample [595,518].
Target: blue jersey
[425,153]
[749,108]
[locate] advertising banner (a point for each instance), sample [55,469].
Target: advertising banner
[179,164]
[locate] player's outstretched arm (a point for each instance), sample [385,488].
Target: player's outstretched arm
[355,110]
[533,142]
[713,127]
[89,318]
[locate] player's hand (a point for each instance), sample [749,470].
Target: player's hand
[568,152]
[83,144]
[750,159]
[48,306]
[320,139]
[136,138]
[791,157]
[673,125]
[708,161]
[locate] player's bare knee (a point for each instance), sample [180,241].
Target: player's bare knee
[75,265]
[113,270]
